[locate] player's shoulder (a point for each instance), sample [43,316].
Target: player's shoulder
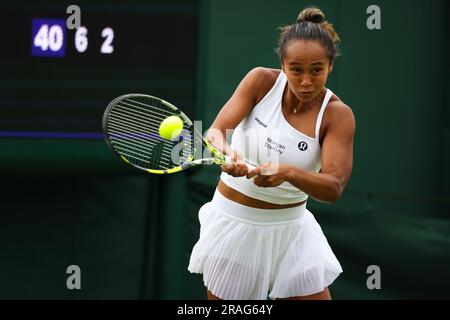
[338,111]
[262,74]
[262,79]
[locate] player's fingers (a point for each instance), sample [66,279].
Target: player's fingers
[240,169]
[243,169]
[259,181]
[254,172]
[268,169]
[227,167]
[235,170]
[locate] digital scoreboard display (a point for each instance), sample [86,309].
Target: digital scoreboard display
[56,82]
[48,37]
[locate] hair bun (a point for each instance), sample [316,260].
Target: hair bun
[311,14]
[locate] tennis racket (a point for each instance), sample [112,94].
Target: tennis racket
[131,129]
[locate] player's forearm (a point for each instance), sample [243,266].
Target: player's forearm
[218,140]
[321,186]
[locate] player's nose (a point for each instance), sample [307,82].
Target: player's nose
[305,82]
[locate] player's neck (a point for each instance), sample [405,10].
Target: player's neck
[296,106]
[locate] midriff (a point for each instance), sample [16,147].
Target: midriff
[245,200]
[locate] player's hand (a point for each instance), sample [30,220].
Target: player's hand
[236,169]
[269,175]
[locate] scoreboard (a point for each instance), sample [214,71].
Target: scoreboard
[56,82]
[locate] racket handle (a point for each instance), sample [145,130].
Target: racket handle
[250,167]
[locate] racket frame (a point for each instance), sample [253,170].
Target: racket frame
[217,158]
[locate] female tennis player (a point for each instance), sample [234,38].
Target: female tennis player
[257,238]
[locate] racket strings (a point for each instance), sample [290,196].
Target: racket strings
[133,119]
[155,105]
[133,128]
[153,119]
[149,115]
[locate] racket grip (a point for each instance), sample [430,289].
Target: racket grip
[228,160]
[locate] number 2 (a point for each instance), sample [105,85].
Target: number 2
[107,47]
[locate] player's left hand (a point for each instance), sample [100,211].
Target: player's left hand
[269,175]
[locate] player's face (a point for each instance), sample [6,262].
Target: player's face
[306,66]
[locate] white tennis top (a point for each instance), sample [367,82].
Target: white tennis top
[265,136]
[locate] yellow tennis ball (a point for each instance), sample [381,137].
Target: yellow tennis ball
[171,127]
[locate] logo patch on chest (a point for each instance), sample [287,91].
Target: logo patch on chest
[302,146]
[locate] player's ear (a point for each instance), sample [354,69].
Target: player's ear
[330,67]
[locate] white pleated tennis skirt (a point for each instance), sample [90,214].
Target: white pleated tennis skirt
[247,253]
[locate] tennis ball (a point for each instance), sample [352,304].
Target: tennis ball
[171,127]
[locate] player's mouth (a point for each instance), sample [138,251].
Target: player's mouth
[305,93]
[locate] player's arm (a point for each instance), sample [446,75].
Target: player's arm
[237,108]
[249,92]
[336,161]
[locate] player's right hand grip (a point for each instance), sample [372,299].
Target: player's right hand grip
[229,160]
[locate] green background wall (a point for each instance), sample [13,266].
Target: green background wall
[131,233]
